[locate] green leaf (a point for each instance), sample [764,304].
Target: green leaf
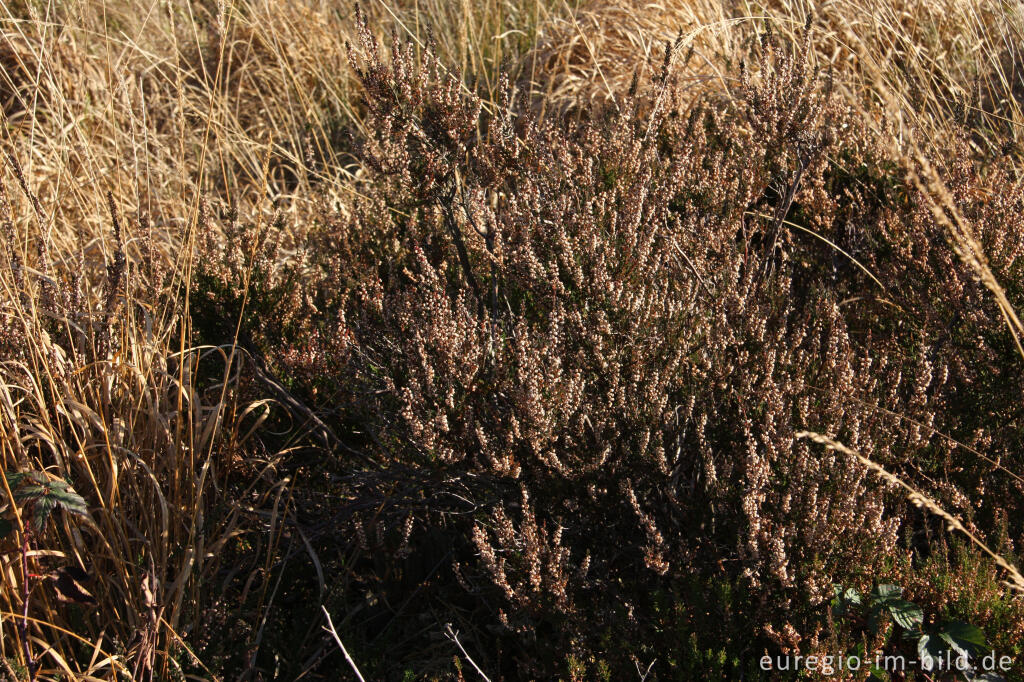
[45,496]
[930,650]
[907,615]
[963,637]
[958,651]
[16,478]
[29,493]
[956,638]
[887,596]
[844,600]
[68,498]
[886,591]
[42,508]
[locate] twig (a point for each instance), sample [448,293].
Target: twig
[455,638]
[693,268]
[334,634]
[460,248]
[783,210]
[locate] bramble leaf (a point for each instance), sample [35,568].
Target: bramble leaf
[929,651]
[29,493]
[907,615]
[43,496]
[71,501]
[887,597]
[886,592]
[42,508]
[16,478]
[963,637]
[844,600]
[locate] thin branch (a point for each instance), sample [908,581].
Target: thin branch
[334,633]
[452,635]
[460,247]
[643,675]
[693,268]
[783,209]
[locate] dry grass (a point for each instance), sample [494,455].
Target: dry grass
[937,61]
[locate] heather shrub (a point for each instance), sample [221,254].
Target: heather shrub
[582,350]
